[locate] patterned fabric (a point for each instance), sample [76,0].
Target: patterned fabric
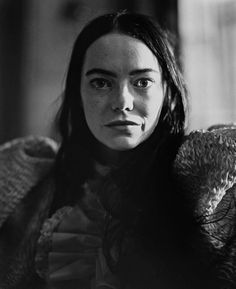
[206,168]
[70,247]
[23,163]
[26,190]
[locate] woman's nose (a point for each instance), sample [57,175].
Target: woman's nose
[123,99]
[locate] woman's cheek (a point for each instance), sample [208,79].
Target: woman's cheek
[91,103]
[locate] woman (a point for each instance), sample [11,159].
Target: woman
[126,114]
[106,213]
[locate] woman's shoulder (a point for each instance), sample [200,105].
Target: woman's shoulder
[208,152]
[32,155]
[23,163]
[30,146]
[205,170]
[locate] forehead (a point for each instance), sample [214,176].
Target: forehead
[119,50]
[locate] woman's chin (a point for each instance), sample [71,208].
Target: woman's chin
[122,144]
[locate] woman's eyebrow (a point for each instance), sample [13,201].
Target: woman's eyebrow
[100,71]
[110,73]
[144,70]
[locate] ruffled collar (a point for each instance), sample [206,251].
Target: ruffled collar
[70,245]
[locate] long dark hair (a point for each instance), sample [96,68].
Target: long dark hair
[78,146]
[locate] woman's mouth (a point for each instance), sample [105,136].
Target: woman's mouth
[124,126]
[125,123]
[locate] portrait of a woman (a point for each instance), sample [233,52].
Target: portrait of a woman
[120,202]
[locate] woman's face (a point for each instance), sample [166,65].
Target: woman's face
[121,90]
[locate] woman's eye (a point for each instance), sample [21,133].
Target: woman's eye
[100,83]
[143,83]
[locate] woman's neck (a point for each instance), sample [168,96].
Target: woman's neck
[112,158]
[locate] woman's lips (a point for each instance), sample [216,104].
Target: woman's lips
[124,126]
[122,123]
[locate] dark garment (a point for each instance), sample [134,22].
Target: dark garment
[204,171]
